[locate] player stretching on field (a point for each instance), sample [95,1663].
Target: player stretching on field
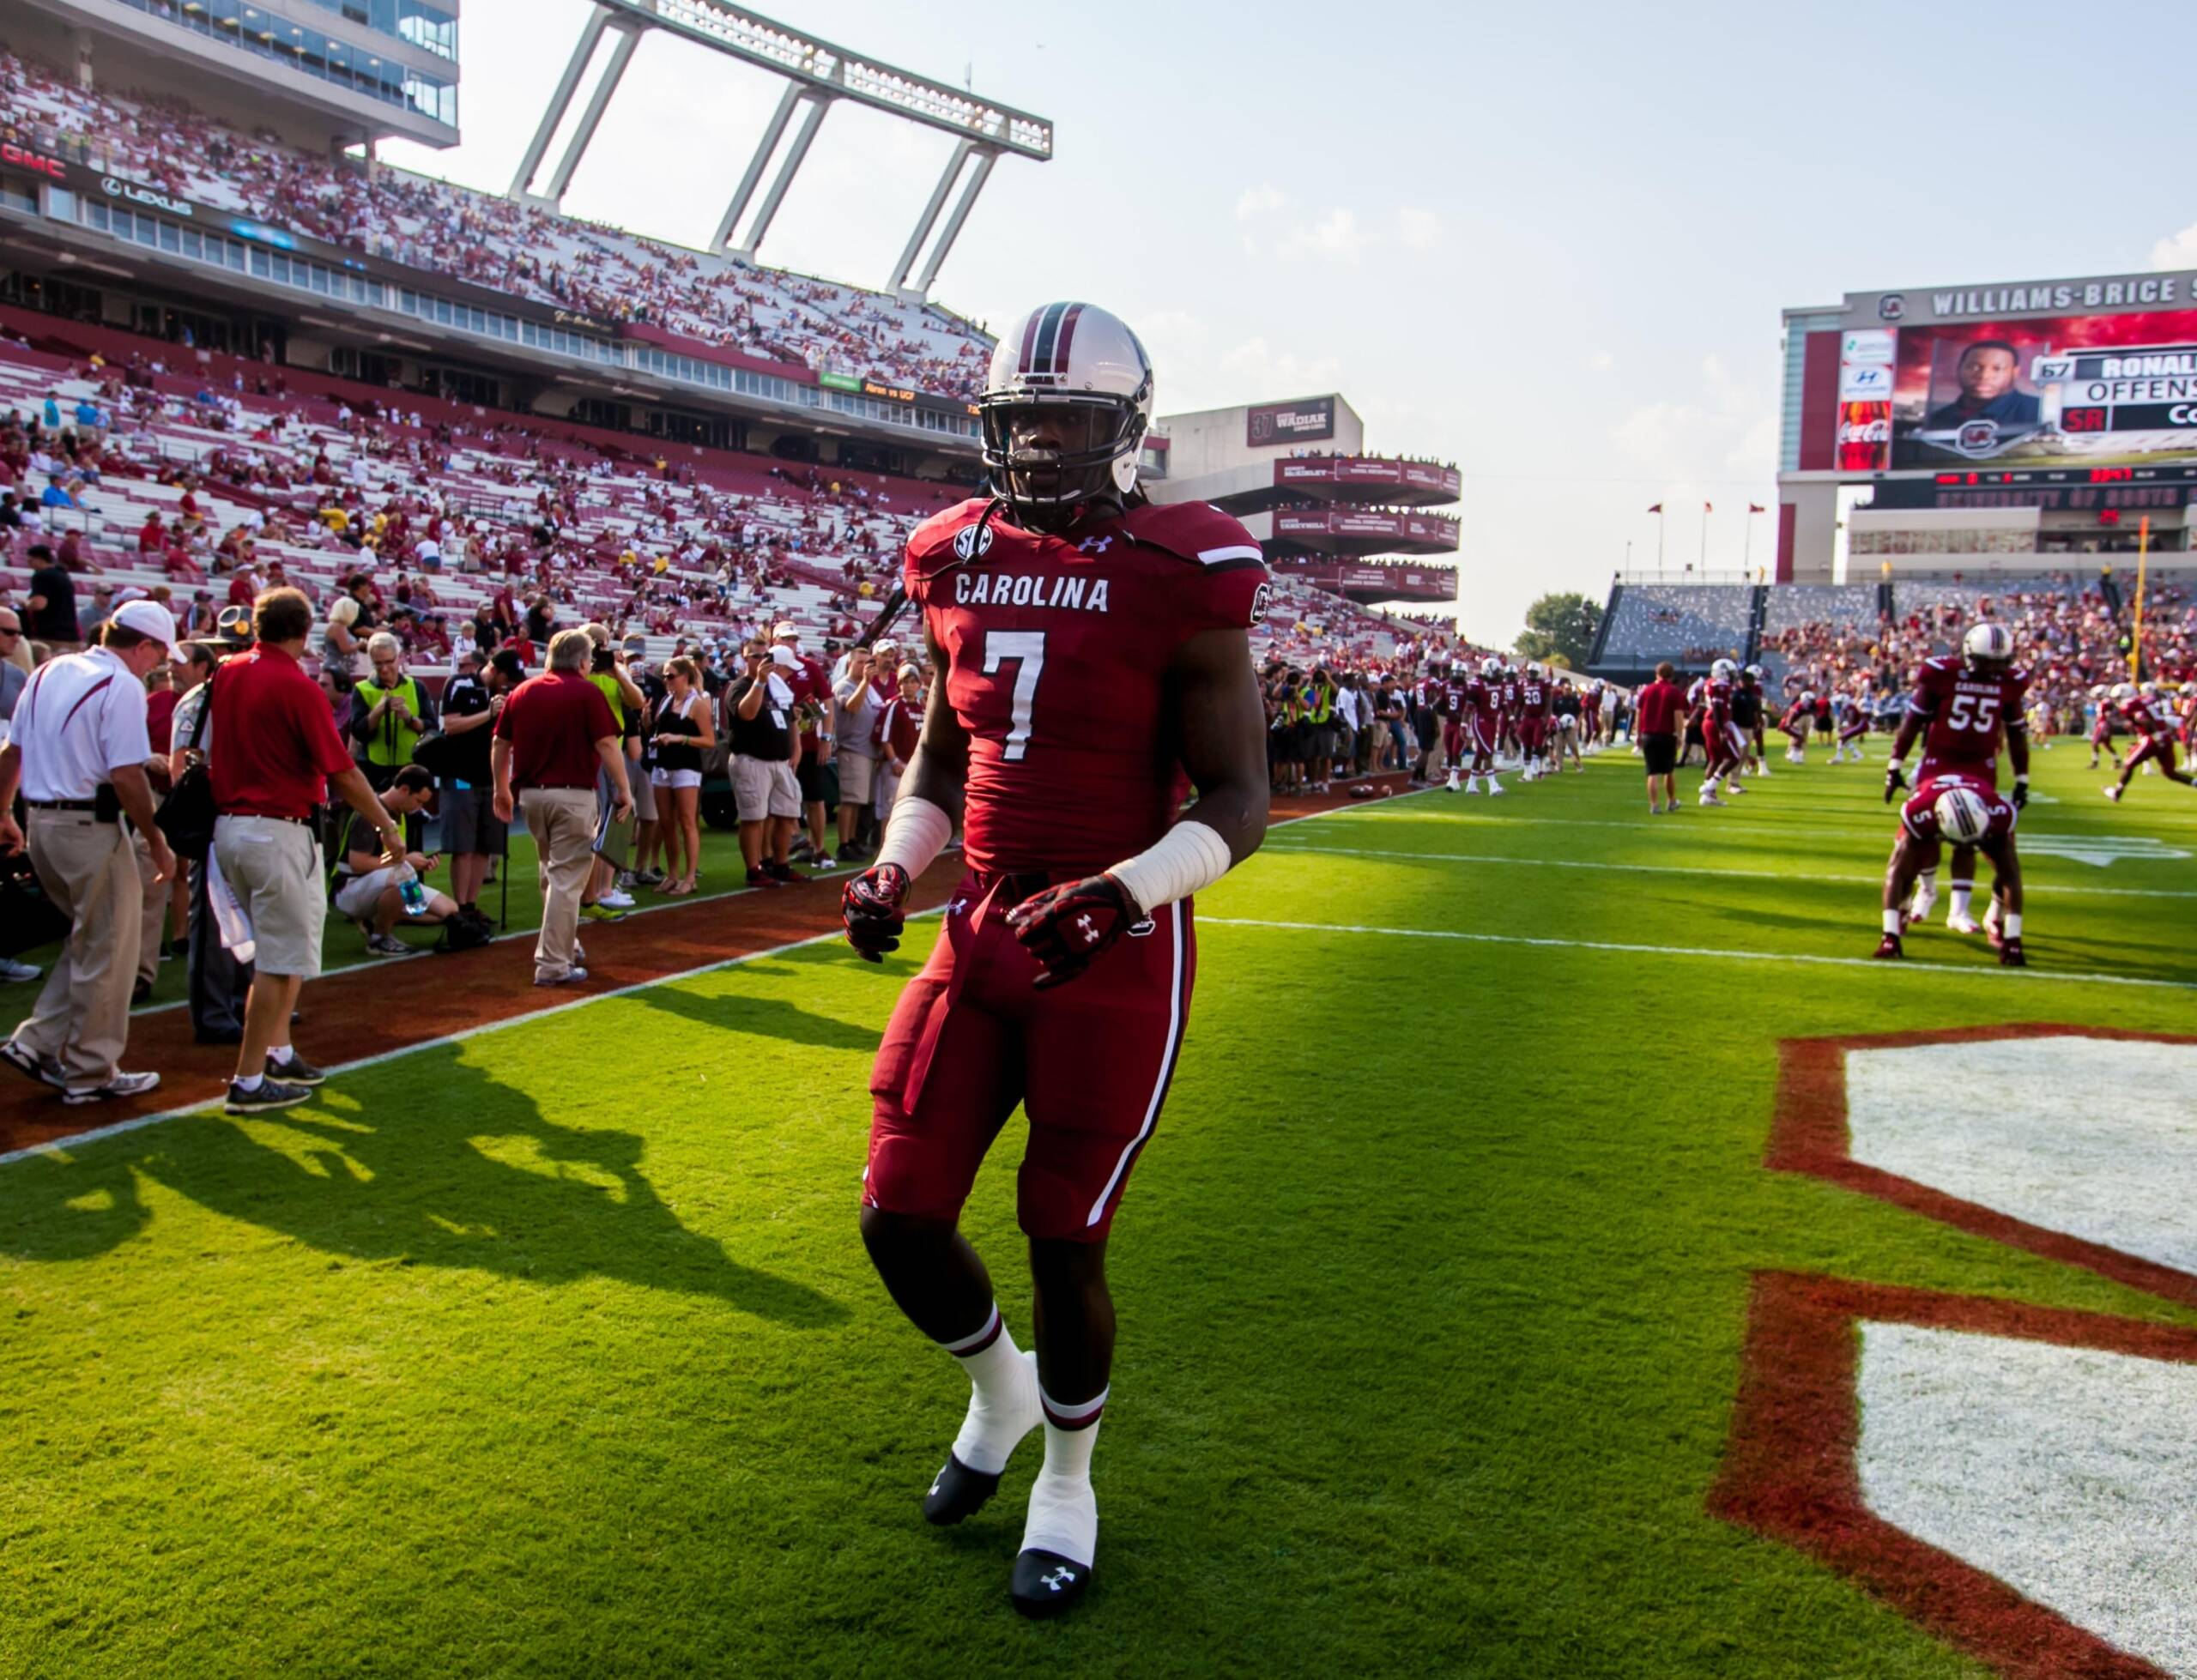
[2147,715]
[1092,663]
[1953,808]
[1966,702]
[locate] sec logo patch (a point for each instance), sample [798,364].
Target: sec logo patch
[974,542]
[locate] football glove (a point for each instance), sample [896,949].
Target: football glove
[2020,797]
[1895,782]
[870,906]
[1066,927]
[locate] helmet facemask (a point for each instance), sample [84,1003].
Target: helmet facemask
[1053,453]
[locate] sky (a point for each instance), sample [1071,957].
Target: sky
[1548,243]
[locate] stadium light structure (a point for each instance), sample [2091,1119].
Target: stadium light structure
[816,74]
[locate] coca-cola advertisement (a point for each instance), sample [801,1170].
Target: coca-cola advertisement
[1864,437]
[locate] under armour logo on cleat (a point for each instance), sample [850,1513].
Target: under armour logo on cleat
[1061,1577]
[935,1486]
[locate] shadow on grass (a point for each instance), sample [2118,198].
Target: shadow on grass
[446,1167]
[763,1018]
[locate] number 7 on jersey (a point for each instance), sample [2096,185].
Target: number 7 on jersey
[1026,649]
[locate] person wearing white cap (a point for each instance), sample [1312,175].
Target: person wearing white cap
[817,774]
[77,749]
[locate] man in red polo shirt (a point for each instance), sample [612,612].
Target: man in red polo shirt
[556,732]
[273,752]
[1658,724]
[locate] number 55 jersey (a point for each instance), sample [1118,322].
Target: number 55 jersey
[1965,714]
[1056,652]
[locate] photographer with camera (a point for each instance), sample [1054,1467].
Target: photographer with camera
[377,894]
[389,712]
[758,716]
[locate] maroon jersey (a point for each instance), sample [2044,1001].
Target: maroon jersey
[1506,696]
[1965,713]
[1056,651]
[1533,697]
[2147,717]
[1715,702]
[1479,698]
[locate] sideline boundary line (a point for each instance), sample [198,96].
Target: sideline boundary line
[1909,966]
[2028,885]
[62,1146]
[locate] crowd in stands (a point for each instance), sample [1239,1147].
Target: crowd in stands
[2071,638]
[494,242]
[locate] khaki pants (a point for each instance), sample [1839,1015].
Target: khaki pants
[562,822]
[153,913]
[89,870]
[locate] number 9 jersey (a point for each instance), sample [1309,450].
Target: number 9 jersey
[1965,713]
[1056,652]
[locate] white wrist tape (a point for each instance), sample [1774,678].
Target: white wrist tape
[1187,857]
[916,833]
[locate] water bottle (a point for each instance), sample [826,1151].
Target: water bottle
[414,897]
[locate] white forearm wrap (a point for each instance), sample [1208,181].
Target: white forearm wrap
[916,833]
[1187,857]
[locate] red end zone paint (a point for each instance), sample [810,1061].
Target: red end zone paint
[1789,1471]
[1809,1134]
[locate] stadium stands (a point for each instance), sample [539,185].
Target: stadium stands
[1690,624]
[494,242]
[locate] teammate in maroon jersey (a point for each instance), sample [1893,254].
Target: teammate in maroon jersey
[1533,698]
[1452,707]
[2145,713]
[2105,726]
[1483,713]
[1720,742]
[1092,665]
[1964,704]
[1968,812]
[1799,723]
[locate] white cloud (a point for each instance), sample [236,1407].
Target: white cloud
[1266,374]
[1334,237]
[1600,362]
[1419,229]
[2177,250]
[1259,200]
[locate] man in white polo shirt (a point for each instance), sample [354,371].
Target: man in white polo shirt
[78,747]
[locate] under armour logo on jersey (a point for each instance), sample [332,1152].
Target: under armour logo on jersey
[973,542]
[956,906]
[1061,1577]
[1094,545]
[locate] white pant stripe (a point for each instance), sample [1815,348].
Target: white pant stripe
[1167,1066]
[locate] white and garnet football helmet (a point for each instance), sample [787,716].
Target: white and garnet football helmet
[1988,647]
[2122,691]
[1721,670]
[1066,401]
[1962,817]
[1490,668]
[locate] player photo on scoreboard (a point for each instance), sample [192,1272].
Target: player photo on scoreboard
[2103,389]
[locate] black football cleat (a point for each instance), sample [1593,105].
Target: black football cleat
[1046,1584]
[958,1493]
[1888,948]
[2010,955]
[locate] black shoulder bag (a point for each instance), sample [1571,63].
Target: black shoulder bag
[186,819]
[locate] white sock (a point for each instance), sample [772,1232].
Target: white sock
[279,1054]
[2011,925]
[1892,921]
[1063,1510]
[252,1081]
[1003,1398]
[1960,892]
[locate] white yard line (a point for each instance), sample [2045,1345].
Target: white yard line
[1790,876]
[2036,974]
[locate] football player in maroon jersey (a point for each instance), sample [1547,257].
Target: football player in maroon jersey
[2105,726]
[1534,697]
[1483,705]
[2147,715]
[1962,705]
[1969,813]
[1719,743]
[1092,664]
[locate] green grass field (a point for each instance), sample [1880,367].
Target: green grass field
[554,1351]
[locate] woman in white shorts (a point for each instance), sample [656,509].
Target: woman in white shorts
[682,730]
